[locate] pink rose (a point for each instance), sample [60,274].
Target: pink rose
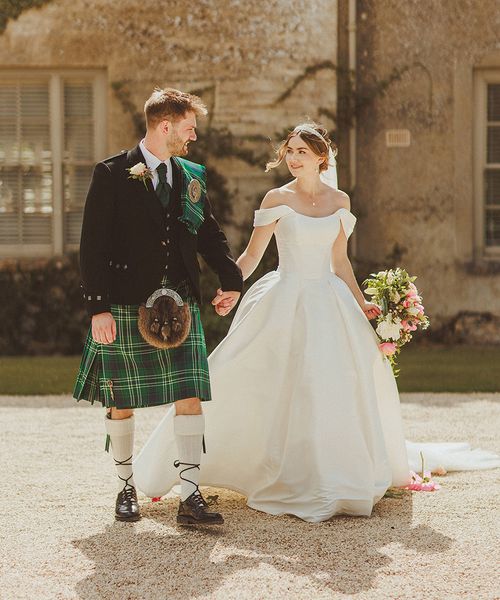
[407,304]
[388,348]
[407,326]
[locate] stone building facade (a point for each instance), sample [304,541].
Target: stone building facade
[416,116]
[260,66]
[428,149]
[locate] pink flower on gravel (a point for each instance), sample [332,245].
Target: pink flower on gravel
[439,471]
[422,484]
[388,348]
[156,499]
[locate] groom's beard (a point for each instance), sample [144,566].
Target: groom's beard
[176,146]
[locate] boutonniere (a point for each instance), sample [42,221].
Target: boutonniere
[140,172]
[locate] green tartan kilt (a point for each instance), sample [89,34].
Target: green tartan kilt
[129,373]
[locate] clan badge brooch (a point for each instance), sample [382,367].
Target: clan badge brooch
[194,190]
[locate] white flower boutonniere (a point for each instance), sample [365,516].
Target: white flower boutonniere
[140,172]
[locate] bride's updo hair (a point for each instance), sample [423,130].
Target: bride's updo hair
[317,139]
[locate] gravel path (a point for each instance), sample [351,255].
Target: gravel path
[60,540]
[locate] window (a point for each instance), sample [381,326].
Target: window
[487,162]
[52,131]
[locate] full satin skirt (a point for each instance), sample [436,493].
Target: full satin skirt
[305,418]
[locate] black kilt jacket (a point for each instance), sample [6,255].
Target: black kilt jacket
[123,251]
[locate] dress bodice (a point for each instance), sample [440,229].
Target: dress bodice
[304,242]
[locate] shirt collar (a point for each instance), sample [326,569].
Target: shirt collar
[152,161]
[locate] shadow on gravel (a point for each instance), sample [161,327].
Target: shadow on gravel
[345,554]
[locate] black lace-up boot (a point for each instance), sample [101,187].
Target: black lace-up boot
[127,506]
[194,509]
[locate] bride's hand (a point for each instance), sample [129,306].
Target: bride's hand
[224,302]
[371,310]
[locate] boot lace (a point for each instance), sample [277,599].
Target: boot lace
[128,489]
[196,495]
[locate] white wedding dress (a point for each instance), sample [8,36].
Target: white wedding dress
[305,417]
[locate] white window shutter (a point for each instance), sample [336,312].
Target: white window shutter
[78,157]
[52,130]
[492,168]
[26,163]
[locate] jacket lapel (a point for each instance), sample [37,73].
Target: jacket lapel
[176,180]
[146,193]
[177,187]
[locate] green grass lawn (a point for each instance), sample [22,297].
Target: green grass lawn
[23,375]
[423,369]
[450,369]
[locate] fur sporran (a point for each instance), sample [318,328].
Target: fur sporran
[165,319]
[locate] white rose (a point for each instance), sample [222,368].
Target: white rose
[390,320]
[389,331]
[390,278]
[138,169]
[413,310]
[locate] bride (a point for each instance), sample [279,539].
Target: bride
[306,416]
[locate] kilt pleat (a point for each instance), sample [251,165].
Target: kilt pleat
[129,373]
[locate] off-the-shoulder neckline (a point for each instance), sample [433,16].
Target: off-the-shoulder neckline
[302,214]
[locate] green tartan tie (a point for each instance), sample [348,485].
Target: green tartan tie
[163,189]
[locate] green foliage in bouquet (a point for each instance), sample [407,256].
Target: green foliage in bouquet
[402,310]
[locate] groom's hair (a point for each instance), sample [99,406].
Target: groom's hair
[171,105]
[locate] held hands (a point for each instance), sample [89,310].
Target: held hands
[103,328]
[371,310]
[224,302]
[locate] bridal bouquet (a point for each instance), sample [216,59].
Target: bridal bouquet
[402,310]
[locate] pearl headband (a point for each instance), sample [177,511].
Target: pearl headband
[309,129]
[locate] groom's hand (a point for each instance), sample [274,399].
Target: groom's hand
[224,302]
[104,328]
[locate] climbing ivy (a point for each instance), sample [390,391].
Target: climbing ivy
[11,9]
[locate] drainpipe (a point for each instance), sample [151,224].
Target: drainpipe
[351,29]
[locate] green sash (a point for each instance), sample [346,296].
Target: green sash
[193,193]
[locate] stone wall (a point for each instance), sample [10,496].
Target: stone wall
[416,204]
[261,66]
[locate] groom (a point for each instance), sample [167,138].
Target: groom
[147,215]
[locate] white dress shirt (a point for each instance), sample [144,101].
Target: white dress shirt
[152,163]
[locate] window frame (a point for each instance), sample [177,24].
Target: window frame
[482,77]
[55,79]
